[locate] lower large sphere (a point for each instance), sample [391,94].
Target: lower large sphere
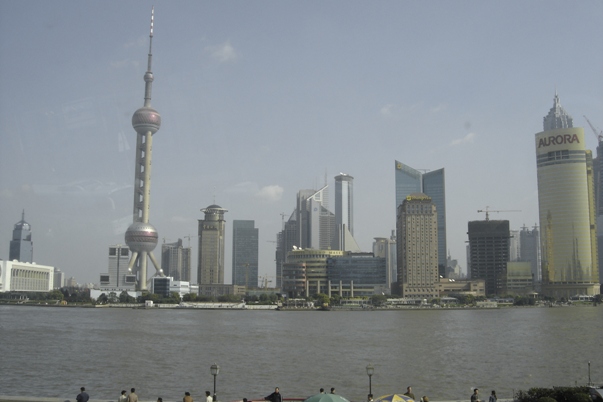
[141,237]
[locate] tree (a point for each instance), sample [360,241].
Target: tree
[112,298]
[124,297]
[189,297]
[378,300]
[102,299]
[322,299]
[55,295]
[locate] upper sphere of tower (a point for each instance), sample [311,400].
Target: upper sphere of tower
[141,237]
[146,119]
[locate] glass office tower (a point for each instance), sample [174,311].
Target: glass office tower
[410,181]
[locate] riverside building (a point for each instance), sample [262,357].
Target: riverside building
[176,261]
[417,245]
[409,181]
[118,276]
[210,265]
[489,254]
[16,276]
[566,208]
[245,253]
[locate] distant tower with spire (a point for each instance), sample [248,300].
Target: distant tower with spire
[21,246]
[141,236]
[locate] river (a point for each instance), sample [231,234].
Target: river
[51,352]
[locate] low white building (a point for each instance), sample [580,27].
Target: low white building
[18,276]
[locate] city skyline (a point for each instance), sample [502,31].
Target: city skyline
[261,100]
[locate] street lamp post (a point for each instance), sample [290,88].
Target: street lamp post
[369,371]
[214,369]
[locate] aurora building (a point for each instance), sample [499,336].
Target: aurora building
[566,208]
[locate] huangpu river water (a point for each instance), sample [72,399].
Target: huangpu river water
[51,352]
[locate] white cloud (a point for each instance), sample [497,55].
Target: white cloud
[270,193]
[393,110]
[222,53]
[387,109]
[439,108]
[124,63]
[141,41]
[466,139]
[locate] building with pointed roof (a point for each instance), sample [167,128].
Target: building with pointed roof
[566,206]
[21,246]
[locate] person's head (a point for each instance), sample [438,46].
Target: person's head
[322,390]
[82,389]
[276,390]
[493,392]
[408,389]
[159,399]
[332,390]
[187,393]
[425,399]
[123,392]
[132,390]
[244,399]
[207,393]
[475,390]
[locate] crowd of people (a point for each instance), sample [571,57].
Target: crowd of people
[276,396]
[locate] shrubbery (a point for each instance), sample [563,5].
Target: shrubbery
[555,394]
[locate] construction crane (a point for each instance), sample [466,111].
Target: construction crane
[189,239]
[265,281]
[598,133]
[488,210]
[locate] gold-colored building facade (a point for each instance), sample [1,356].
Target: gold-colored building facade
[567,214]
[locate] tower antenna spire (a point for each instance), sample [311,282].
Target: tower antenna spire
[148,77]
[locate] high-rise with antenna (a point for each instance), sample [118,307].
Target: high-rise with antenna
[566,204]
[141,236]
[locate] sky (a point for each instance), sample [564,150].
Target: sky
[260,99]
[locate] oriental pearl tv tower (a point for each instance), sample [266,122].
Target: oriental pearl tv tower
[141,236]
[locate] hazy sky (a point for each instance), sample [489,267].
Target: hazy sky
[260,99]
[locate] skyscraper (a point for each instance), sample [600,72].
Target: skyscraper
[141,236]
[529,248]
[384,247]
[566,206]
[285,240]
[315,223]
[245,239]
[344,214]
[489,254]
[210,264]
[21,246]
[417,244]
[409,181]
[118,276]
[176,261]
[344,201]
